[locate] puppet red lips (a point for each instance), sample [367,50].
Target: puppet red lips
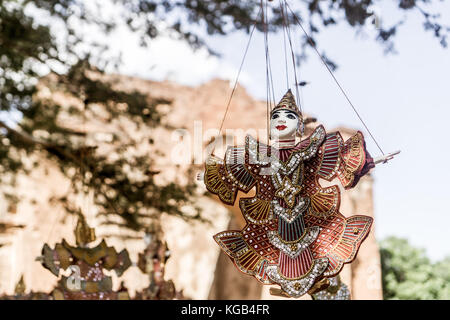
[282,127]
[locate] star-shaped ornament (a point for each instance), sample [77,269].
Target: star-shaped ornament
[288,191]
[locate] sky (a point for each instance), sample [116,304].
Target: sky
[404,98]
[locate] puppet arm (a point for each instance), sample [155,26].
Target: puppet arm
[348,161]
[226,177]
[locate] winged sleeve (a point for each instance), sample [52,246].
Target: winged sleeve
[349,160]
[225,178]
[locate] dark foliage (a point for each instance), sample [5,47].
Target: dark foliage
[408,274]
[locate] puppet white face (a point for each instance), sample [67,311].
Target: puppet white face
[283,124]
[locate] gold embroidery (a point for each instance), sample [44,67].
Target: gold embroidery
[256,210]
[215,184]
[325,201]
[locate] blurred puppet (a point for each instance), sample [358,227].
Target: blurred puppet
[87,280]
[153,262]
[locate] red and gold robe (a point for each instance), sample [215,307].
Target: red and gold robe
[294,234]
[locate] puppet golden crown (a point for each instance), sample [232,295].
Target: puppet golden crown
[288,103]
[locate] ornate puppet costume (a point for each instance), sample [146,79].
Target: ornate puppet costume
[87,282]
[295,235]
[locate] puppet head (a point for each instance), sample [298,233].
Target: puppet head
[286,120]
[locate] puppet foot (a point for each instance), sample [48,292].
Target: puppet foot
[319,286]
[279,293]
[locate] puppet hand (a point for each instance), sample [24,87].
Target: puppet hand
[385,158]
[212,159]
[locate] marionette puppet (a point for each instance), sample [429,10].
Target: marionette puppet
[294,236]
[87,280]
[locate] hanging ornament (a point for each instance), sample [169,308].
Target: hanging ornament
[295,236]
[152,262]
[87,280]
[337,290]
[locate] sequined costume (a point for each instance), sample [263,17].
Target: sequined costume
[295,235]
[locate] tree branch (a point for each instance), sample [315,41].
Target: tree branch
[51,148]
